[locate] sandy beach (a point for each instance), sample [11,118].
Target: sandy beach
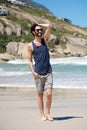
[19,110]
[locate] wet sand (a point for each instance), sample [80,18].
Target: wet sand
[19,110]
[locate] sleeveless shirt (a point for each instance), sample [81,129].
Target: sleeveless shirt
[41,57]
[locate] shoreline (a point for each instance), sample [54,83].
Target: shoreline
[70,92]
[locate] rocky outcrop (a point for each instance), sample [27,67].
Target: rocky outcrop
[11,27]
[76,46]
[71,46]
[27,16]
[17,49]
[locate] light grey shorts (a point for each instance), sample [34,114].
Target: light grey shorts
[44,82]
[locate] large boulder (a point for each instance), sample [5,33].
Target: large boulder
[12,48]
[6,57]
[75,47]
[22,51]
[17,49]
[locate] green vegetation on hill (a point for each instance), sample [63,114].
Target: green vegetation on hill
[23,23]
[38,12]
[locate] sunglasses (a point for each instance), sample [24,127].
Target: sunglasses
[39,30]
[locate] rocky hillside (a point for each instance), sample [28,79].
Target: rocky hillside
[65,40]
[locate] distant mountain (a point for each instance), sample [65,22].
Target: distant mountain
[35,5]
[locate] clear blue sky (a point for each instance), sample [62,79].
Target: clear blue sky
[75,10]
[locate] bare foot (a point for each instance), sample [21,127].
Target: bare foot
[43,118]
[49,117]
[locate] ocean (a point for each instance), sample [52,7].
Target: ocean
[67,73]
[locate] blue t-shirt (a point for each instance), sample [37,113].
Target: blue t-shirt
[41,58]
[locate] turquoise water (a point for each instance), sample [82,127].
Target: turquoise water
[67,73]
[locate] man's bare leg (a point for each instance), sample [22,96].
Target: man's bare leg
[41,105]
[48,103]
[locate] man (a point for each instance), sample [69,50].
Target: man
[42,70]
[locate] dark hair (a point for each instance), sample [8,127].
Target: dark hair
[33,28]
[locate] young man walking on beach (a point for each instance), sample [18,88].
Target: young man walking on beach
[42,70]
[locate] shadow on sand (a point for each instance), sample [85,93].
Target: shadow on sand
[65,118]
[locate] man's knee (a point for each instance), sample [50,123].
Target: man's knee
[49,92]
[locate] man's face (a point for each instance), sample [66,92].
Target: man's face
[38,31]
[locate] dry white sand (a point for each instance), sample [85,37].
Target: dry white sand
[19,110]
